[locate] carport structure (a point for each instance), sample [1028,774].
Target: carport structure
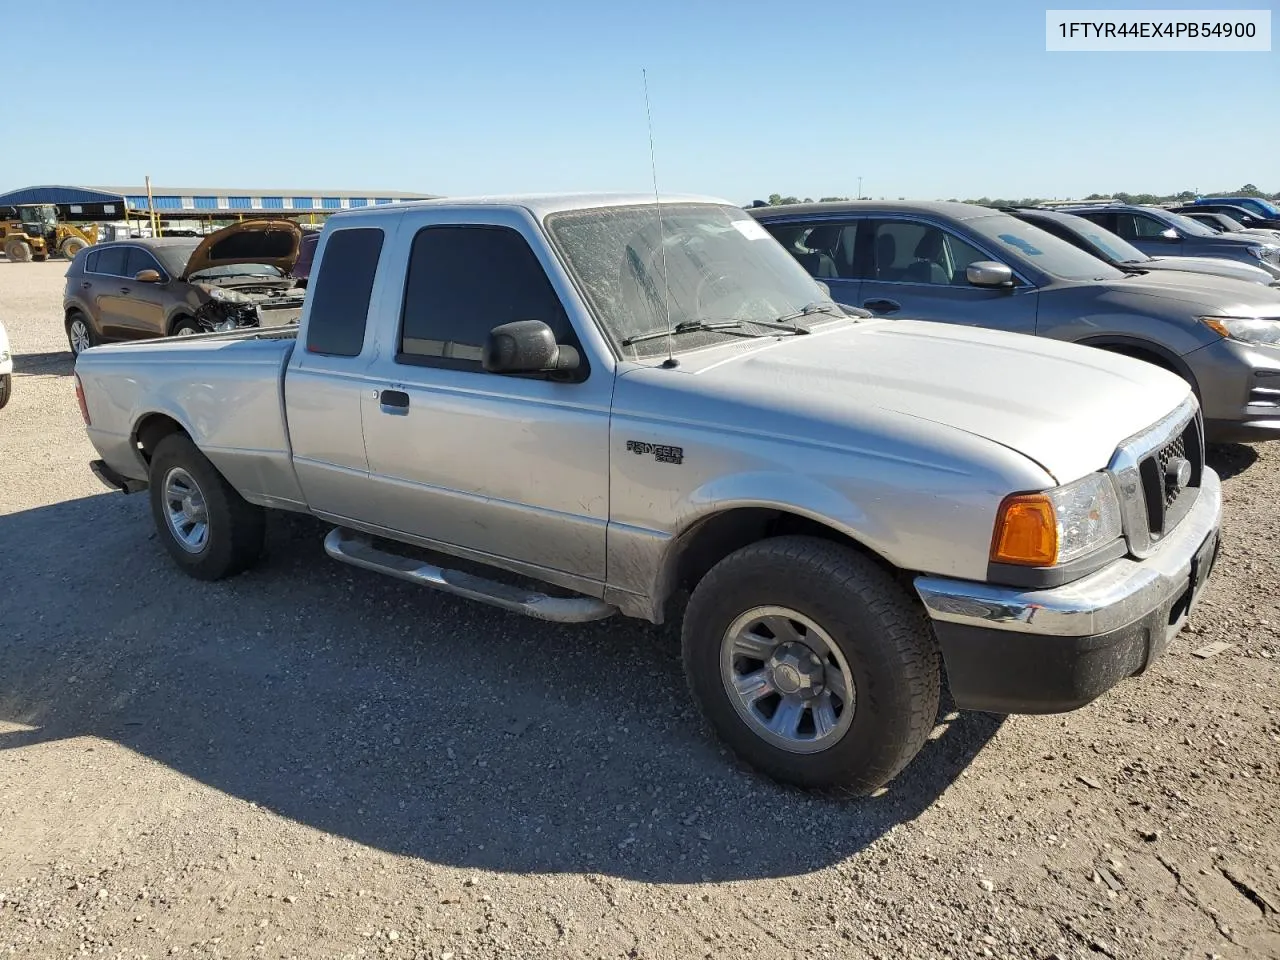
[198,203]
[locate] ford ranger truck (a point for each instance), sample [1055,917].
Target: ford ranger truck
[576,407]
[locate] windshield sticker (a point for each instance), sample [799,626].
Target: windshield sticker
[751,230]
[1018,243]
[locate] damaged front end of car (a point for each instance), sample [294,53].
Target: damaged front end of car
[243,275]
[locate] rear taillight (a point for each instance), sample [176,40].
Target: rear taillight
[84,409]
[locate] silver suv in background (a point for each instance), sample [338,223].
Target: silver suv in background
[962,263]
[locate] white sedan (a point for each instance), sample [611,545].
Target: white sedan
[6,367]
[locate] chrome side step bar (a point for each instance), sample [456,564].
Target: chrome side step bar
[359,551]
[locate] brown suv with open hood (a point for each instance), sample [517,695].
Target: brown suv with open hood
[177,286]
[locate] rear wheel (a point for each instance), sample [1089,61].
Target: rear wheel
[71,246]
[80,334]
[18,251]
[6,389]
[210,531]
[812,663]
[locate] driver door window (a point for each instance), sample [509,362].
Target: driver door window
[910,252]
[463,282]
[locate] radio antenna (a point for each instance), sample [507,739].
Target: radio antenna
[662,231]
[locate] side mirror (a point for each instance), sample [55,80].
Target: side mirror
[147,276]
[989,273]
[1170,234]
[527,346]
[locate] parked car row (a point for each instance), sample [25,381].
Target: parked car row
[960,263]
[625,402]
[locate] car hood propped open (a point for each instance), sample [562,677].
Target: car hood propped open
[273,242]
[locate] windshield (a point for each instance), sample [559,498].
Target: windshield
[719,265]
[1023,243]
[1115,247]
[43,214]
[1193,227]
[238,270]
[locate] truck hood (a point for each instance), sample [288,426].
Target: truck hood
[273,242]
[1063,406]
[1214,266]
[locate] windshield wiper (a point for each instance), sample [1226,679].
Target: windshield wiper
[693,326]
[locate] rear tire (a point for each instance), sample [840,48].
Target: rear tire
[18,251]
[210,531]
[80,333]
[875,661]
[6,389]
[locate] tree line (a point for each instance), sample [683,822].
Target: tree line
[1145,199]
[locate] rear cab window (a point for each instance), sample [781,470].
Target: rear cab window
[341,290]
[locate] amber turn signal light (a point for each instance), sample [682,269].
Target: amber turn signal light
[1026,531]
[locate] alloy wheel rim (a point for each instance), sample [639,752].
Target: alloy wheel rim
[185,510]
[79,336]
[787,679]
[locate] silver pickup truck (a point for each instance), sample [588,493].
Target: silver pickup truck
[573,407]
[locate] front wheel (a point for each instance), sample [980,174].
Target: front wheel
[185,327]
[6,389]
[210,531]
[812,663]
[71,246]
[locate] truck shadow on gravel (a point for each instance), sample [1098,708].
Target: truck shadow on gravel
[58,363]
[1230,459]
[403,719]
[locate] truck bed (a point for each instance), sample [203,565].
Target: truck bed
[224,389]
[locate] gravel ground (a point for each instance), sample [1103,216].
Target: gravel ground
[313,761]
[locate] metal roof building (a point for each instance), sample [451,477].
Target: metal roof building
[111,203]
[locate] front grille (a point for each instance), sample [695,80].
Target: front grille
[1168,499]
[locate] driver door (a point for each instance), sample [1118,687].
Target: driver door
[514,467]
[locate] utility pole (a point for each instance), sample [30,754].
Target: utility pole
[859,188]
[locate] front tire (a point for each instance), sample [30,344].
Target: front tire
[210,531]
[185,327]
[813,664]
[6,389]
[71,246]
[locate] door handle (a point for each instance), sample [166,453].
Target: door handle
[125,289]
[86,285]
[395,402]
[881,305]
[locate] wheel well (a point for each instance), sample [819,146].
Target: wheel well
[713,539]
[176,319]
[1150,353]
[151,430]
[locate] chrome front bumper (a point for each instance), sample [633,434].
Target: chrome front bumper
[1119,594]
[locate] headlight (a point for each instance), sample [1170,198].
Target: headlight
[1263,251]
[1248,329]
[1058,525]
[4,356]
[225,325]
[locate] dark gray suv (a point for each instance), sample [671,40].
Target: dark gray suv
[962,263]
[1163,233]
